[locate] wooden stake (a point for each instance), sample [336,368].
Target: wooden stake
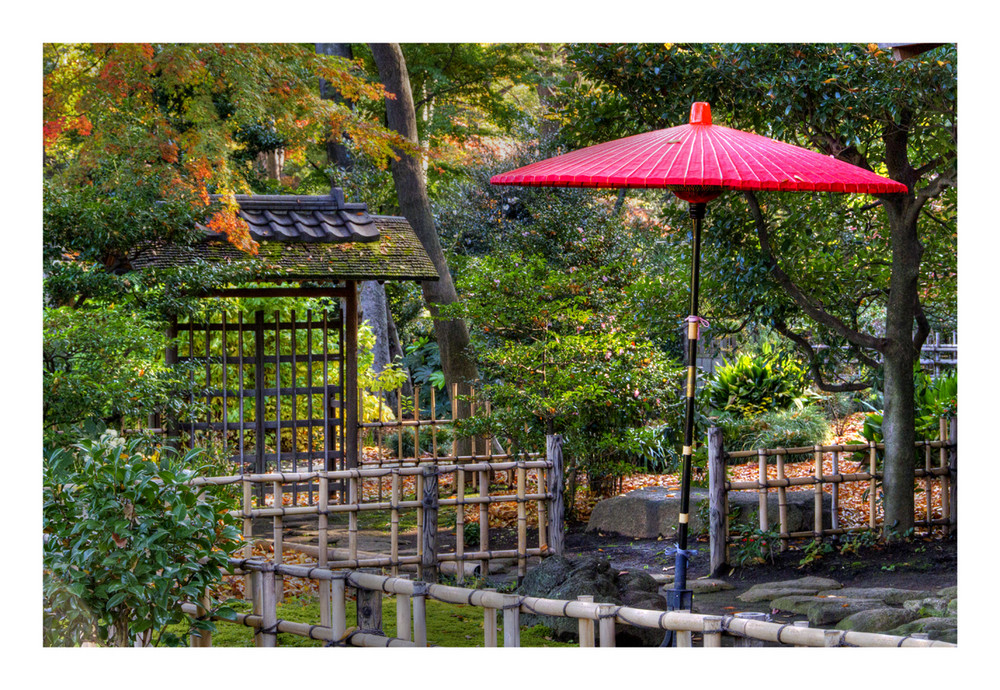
[718,537]
[338,596]
[429,557]
[324,543]
[277,488]
[484,521]
[553,453]
[247,534]
[928,487]
[394,521]
[818,494]
[943,464]
[543,518]
[369,607]
[522,524]
[782,503]
[872,483]
[460,524]
[352,517]
[420,614]
[835,493]
[606,625]
[403,617]
[762,491]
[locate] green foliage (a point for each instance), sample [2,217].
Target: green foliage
[933,398]
[789,428]
[103,363]
[751,385]
[751,545]
[814,552]
[125,539]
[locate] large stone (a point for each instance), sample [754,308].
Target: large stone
[652,511]
[876,620]
[803,585]
[948,592]
[930,607]
[703,585]
[826,611]
[794,603]
[936,627]
[890,595]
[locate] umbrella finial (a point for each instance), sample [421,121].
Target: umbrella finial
[701,113]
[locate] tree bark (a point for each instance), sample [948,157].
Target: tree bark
[336,150]
[452,334]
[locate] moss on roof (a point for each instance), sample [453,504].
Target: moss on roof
[396,255]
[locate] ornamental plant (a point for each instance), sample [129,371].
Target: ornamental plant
[126,540]
[750,385]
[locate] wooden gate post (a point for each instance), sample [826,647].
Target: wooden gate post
[717,534]
[557,510]
[429,557]
[369,609]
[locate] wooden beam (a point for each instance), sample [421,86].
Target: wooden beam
[278,292]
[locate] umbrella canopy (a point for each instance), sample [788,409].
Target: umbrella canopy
[698,161]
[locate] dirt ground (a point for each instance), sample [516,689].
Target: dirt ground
[920,564]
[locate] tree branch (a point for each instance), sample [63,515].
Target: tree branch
[808,305]
[814,368]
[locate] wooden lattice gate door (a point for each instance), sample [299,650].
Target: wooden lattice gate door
[267,392]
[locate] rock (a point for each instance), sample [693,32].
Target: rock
[774,590]
[948,592]
[936,627]
[931,607]
[890,595]
[708,585]
[794,603]
[953,607]
[652,511]
[876,620]
[561,578]
[826,611]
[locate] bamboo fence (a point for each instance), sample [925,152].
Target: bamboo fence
[592,617]
[940,464]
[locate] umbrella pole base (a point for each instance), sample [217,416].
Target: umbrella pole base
[677,600]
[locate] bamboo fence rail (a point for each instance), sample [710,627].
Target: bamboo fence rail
[412,597]
[942,469]
[427,555]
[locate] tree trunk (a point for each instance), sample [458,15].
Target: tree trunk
[336,151]
[898,360]
[375,312]
[451,334]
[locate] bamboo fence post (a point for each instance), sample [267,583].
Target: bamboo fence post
[265,605]
[943,464]
[782,503]
[718,537]
[324,542]
[277,489]
[460,524]
[369,606]
[543,518]
[429,557]
[484,522]
[522,524]
[684,638]
[394,520]
[416,426]
[338,598]
[489,623]
[762,489]
[928,486]
[419,599]
[399,427]
[352,515]
[553,452]
[872,483]
[953,472]
[585,625]
[832,638]
[711,631]
[818,494]
[247,533]
[606,625]
[835,493]
[403,616]
[512,620]
[434,438]
[801,624]
[202,638]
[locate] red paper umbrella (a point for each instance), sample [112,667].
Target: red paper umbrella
[690,158]
[698,161]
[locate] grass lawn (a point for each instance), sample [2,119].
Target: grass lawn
[448,625]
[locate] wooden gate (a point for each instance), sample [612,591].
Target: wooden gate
[267,391]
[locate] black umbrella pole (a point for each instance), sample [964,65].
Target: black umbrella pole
[679,598]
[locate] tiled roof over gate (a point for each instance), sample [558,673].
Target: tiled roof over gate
[308,238]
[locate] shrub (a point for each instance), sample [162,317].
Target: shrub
[751,385]
[126,540]
[790,428]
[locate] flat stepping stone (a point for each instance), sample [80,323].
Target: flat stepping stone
[774,590]
[929,607]
[701,586]
[876,620]
[936,627]
[892,596]
[821,610]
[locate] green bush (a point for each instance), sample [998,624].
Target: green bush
[751,385]
[791,428]
[126,540]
